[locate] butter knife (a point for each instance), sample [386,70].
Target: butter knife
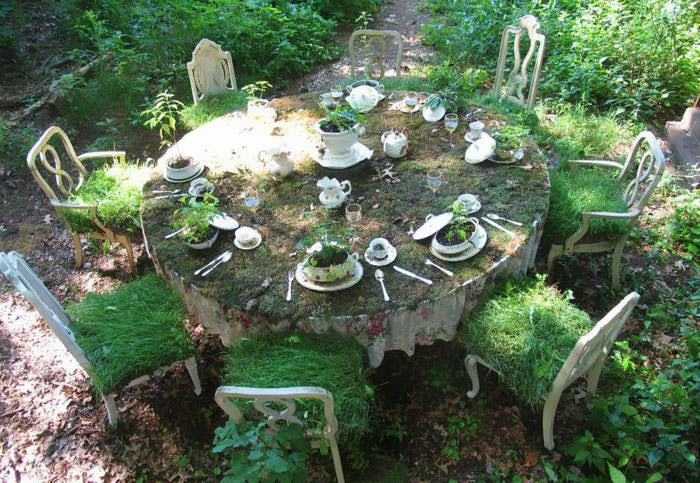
[227,256]
[496,225]
[411,274]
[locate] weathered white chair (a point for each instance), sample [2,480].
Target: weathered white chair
[225,396]
[650,162]
[26,282]
[586,359]
[66,185]
[519,75]
[210,70]
[374,43]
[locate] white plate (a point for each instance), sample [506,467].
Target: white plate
[468,253]
[186,180]
[347,282]
[434,115]
[363,98]
[482,149]
[474,202]
[358,152]
[380,262]
[258,240]
[224,222]
[408,110]
[432,226]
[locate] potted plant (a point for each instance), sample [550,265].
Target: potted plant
[339,130]
[193,219]
[257,106]
[180,167]
[329,260]
[458,235]
[435,107]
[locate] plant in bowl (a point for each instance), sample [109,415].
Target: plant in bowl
[458,234]
[329,260]
[339,130]
[180,168]
[257,106]
[193,219]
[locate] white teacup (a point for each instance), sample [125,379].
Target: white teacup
[378,248]
[200,185]
[327,100]
[411,99]
[246,235]
[475,128]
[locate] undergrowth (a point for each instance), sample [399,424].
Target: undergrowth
[210,108]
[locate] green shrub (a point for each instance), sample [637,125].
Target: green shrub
[684,224]
[11,21]
[326,361]
[116,190]
[210,108]
[584,189]
[526,333]
[15,142]
[131,331]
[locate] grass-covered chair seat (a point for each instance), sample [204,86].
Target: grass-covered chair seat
[103,204]
[592,209]
[318,380]
[539,343]
[121,338]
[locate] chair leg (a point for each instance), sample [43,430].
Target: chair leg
[336,460]
[126,242]
[616,262]
[112,413]
[555,252]
[191,365]
[470,365]
[548,413]
[593,375]
[78,250]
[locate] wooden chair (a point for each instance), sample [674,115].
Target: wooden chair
[66,185]
[210,70]
[375,44]
[225,396]
[650,162]
[586,359]
[519,75]
[25,281]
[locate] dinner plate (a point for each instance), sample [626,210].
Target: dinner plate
[347,282]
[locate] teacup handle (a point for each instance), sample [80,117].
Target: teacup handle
[354,257]
[263,156]
[428,217]
[385,134]
[346,183]
[380,88]
[349,89]
[474,220]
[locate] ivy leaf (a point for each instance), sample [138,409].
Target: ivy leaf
[616,475]
[276,462]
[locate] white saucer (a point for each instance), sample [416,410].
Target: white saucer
[258,241]
[380,262]
[347,282]
[469,252]
[405,109]
[185,180]
[468,137]
[224,222]
[358,152]
[329,206]
[475,203]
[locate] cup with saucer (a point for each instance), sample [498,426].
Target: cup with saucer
[247,238]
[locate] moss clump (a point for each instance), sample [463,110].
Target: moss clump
[116,191]
[212,107]
[330,362]
[526,333]
[130,332]
[576,191]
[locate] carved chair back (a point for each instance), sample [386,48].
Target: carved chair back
[643,168]
[210,70]
[377,47]
[51,161]
[26,282]
[596,344]
[519,76]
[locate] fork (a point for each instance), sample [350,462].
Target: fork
[290,277]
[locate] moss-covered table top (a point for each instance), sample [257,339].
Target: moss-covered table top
[249,291]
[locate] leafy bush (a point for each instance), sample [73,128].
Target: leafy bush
[684,224]
[11,21]
[15,142]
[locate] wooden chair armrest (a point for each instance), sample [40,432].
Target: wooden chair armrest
[72,206]
[103,154]
[595,162]
[585,222]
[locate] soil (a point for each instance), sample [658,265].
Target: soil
[338,258]
[455,239]
[178,163]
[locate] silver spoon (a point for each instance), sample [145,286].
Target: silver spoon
[494,216]
[379,275]
[290,277]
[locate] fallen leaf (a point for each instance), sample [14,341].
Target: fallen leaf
[47,219]
[375,206]
[532,457]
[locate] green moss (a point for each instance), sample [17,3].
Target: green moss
[330,362]
[576,191]
[526,333]
[131,331]
[212,107]
[116,190]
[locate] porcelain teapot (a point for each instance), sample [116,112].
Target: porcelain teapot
[276,159]
[395,143]
[334,192]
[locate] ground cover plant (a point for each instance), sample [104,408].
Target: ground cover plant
[684,224]
[131,331]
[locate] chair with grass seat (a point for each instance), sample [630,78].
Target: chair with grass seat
[44,151]
[597,199]
[120,339]
[376,47]
[323,375]
[539,344]
[518,78]
[210,71]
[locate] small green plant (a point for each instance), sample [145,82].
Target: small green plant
[460,227]
[341,119]
[434,101]
[333,250]
[194,217]
[257,455]
[162,115]
[684,225]
[15,141]
[255,90]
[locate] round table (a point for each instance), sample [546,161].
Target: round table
[247,294]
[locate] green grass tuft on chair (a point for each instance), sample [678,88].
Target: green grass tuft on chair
[526,332]
[131,331]
[579,190]
[328,361]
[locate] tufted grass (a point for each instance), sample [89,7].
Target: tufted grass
[130,332]
[327,361]
[210,108]
[526,332]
